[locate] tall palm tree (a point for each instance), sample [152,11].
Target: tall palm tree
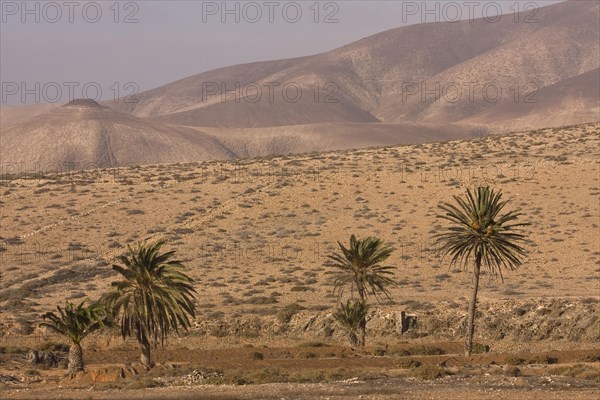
[480,233]
[350,316]
[154,298]
[360,268]
[76,322]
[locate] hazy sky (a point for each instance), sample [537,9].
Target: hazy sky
[69,44]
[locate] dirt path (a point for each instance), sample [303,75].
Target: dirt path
[497,388]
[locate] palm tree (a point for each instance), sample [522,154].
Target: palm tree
[154,298]
[480,233]
[350,316]
[360,267]
[76,322]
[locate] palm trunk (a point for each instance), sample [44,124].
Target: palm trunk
[353,340]
[75,359]
[363,323]
[473,307]
[145,358]
[363,332]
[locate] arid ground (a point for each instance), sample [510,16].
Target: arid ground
[255,234]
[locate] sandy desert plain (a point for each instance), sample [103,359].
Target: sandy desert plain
[255,234]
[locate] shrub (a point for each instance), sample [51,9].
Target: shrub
[142,383]
[257,355]
[408,363]
[429,372]
[261,300]
[380,352]
[543,360]
[519,311]
[299,288]
[479,348]
[313,344]
[513,360]
[265,375]
[135,212]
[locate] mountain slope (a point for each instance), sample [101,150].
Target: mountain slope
[294,139]
[565,103]
[563,45]
[371,77]
[85,134]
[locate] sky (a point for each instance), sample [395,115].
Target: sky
[53,51]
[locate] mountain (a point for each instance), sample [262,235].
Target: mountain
[426,82]
[563,104]
[258,142]
[85,134]
[10,115]
[391,77]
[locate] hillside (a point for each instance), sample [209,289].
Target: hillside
[370,77]
[85,134]
[256,233]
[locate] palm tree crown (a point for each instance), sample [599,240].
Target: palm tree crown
[154,297]
[75,322]
[350,315]
[479,230]
[360,267]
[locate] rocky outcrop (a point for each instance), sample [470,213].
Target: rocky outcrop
[574,320]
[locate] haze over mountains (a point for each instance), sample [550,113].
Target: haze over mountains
[426,82]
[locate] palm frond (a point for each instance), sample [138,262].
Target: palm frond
[76,321]
[351,314]
[155,297]
[359,267]
[477,228]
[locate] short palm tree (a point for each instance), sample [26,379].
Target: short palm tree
[76,322]
[154,297]
[360,268]
[350,317]
[479,233]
